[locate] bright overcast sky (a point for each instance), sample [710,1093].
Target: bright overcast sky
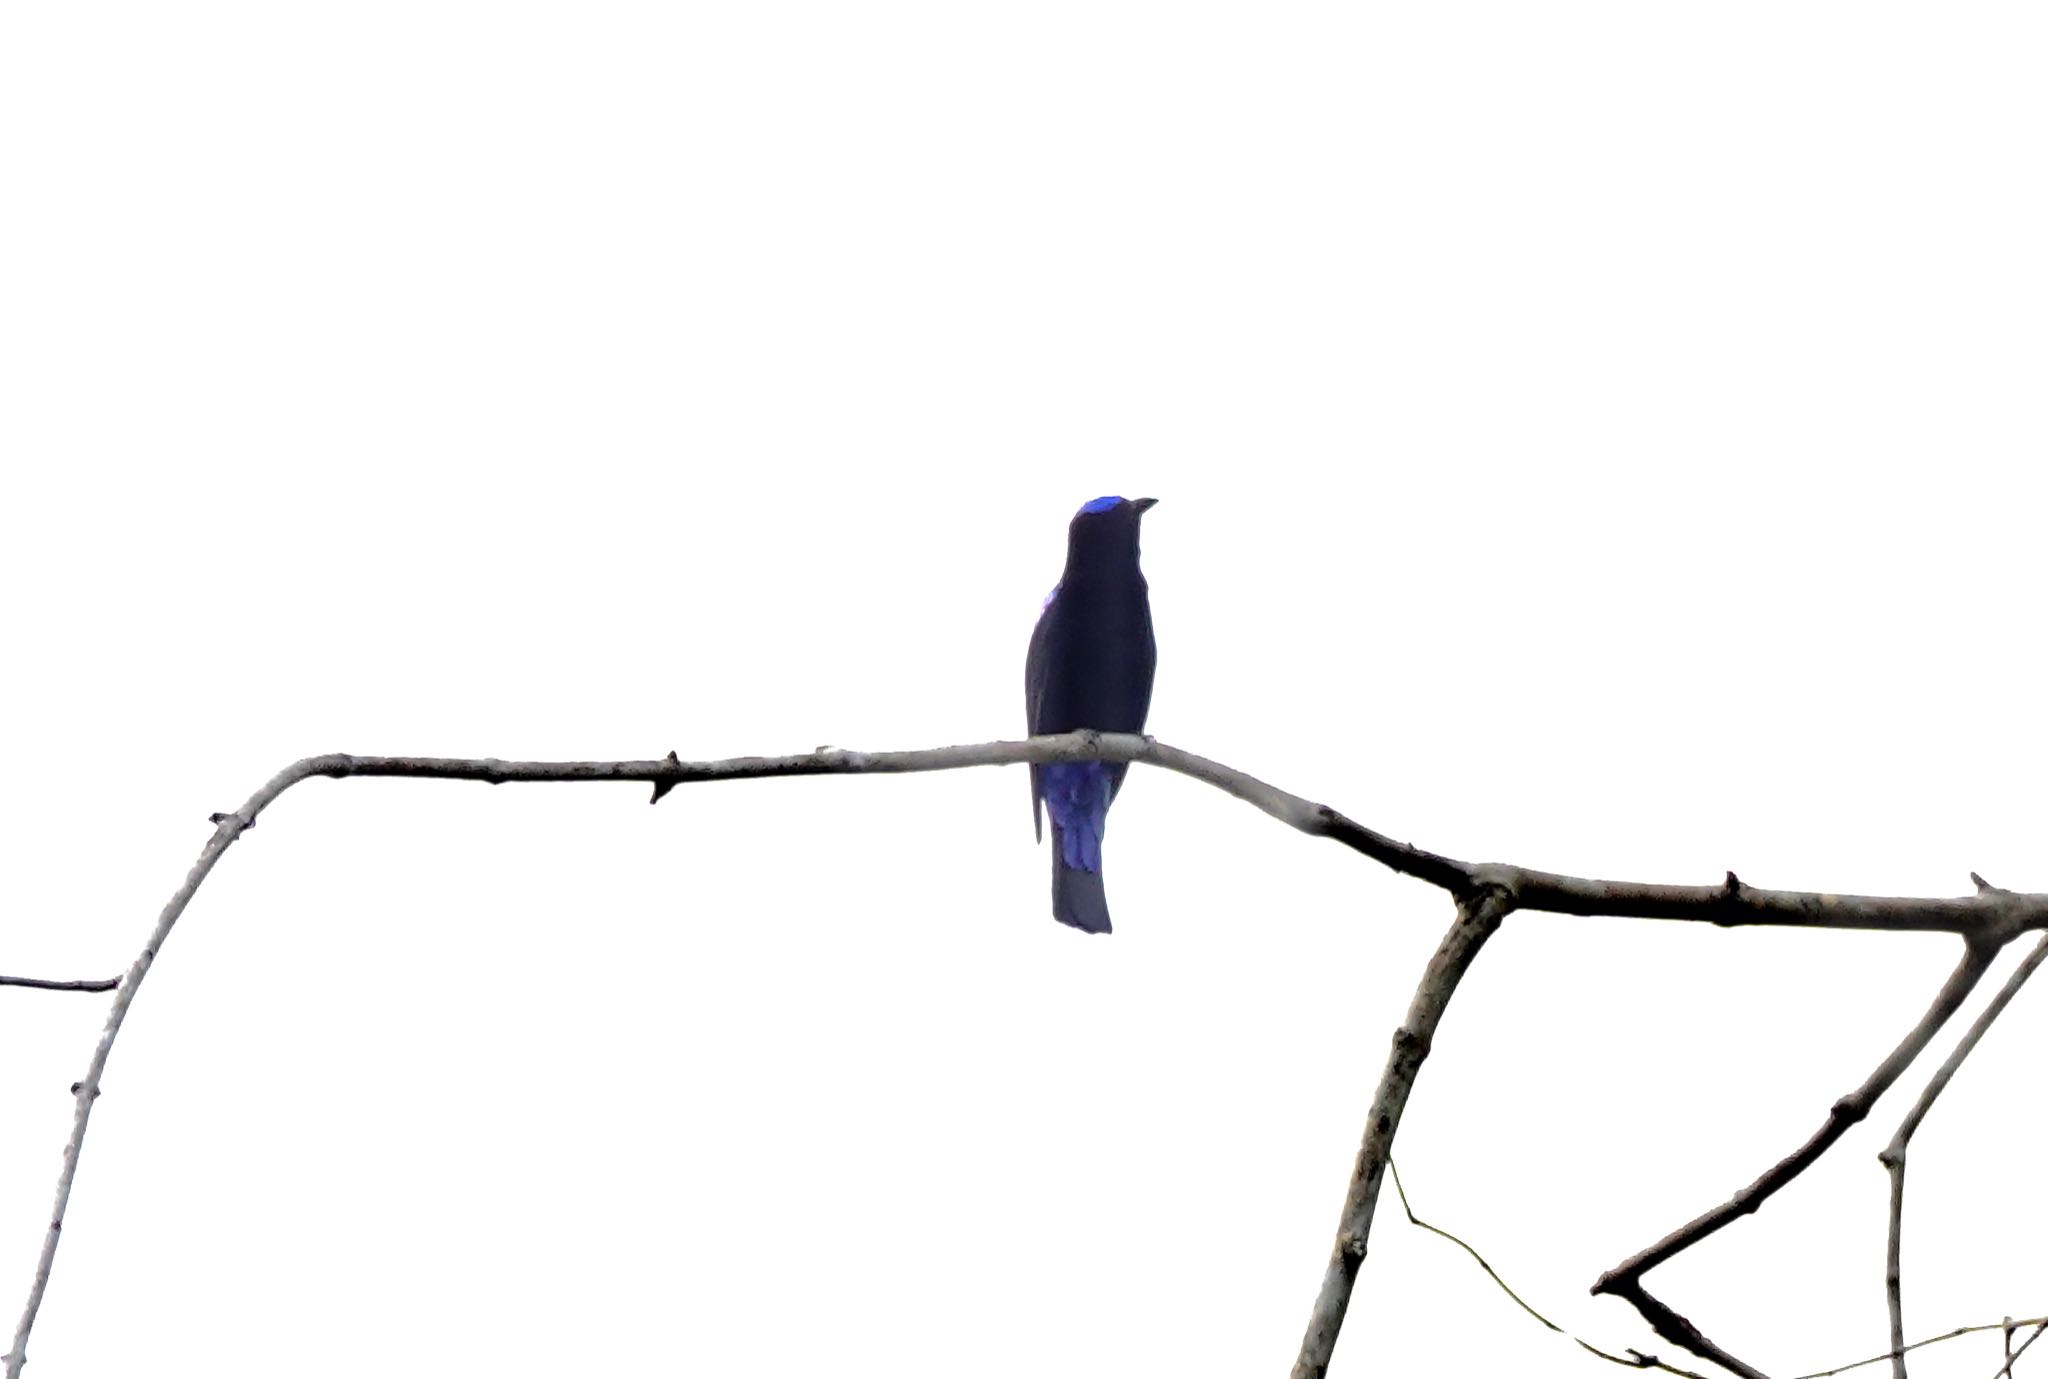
[1606,437]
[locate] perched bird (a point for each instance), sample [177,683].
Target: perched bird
[1090,666]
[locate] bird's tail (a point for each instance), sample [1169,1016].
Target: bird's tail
[1077,895]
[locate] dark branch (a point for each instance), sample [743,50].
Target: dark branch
[1625,1279]
[2012,1354]
[44,984]
[1679,1330]
[1893,1157]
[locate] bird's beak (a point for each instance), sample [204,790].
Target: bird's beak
[1142,503]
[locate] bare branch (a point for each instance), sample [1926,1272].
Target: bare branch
[45,984]
[1997,914]
[1893,1157]
[1478,916]
[2005,1326]
[1402,1192]
[86,1090]
[1678,1329]
[1635,1359]
[1488,890]
[1992,914]
[1625,1279]
[2005,1370]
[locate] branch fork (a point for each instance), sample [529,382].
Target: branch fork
[1485,895]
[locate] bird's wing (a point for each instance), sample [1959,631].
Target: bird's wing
[1148,657]
[1035,670]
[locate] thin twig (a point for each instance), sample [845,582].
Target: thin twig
[1625,1279]
[45,984]
[1635,1359]
[1893,1156]
[1479,914]
[1931,1340]
[1984,917]
[1477,1258]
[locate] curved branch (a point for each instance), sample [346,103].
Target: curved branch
[1893,1157]
[1635,1359]
[1986,916]
[1993,914]
[87,1089]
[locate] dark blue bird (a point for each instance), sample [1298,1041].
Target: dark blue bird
[1090,666]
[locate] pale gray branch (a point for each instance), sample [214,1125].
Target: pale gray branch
[87,1090]
[1479,914]
[1485,892]
[1993,914]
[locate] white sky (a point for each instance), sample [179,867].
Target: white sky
[1603,437]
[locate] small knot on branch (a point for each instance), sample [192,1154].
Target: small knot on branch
[1985,887]
[662,787]
[1729,897]
[230,816]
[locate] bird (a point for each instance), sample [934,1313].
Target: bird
[1090,666]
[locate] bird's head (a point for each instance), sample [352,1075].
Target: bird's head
[1105,532]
